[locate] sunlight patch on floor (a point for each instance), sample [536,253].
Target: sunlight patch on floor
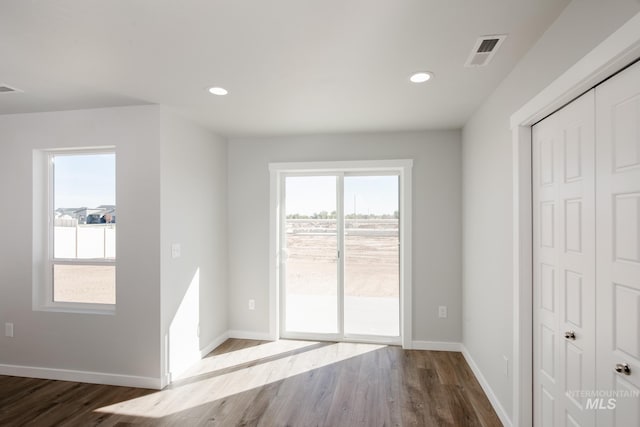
[178,398]
[243,356]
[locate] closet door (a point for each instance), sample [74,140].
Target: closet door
[564,265]
[618,253]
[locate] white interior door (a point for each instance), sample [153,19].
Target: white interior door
[618,253]
[564,265]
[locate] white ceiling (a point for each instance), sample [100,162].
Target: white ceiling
[291,66]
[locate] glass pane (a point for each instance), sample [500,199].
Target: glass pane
[84,226]
[84,195]
[372,256]
[311,246]
[84,283]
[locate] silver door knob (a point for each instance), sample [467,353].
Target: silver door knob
[623,368]
[570,335]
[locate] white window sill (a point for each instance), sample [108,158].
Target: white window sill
[78,308]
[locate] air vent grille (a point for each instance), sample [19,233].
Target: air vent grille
[484,50]
[488,45]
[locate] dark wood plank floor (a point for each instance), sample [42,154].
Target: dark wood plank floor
[284,383]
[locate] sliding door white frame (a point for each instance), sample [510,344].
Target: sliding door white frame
[279,170]
[282,300]
[614,53]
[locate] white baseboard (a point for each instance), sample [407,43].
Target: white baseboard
[196,356]
[100,377]
[436,345]
[502,414]
[250,335]
[214,344]
[459,347]
[81,376]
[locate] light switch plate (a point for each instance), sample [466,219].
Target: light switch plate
[175,250]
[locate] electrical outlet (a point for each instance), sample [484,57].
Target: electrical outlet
[506,366]
[252,304]
[8,329]
[442,311]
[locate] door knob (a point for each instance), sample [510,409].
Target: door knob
[570,335]
[623,368]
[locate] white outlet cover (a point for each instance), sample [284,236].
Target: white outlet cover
[8,329]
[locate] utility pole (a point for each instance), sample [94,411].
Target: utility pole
[355,212]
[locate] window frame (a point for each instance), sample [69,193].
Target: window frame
[341,334]
[401,166]
[44,293]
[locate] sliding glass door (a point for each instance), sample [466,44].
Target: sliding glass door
[340,256]
[311,255]
[372,256]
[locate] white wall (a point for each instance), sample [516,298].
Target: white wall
[487,182]
[126,343]
[436,219]
[194,215]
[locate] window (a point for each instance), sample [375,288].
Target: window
[80,239]
[339,233]
[341,236]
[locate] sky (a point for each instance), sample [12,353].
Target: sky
[89,180]
[84,180]
[306,195]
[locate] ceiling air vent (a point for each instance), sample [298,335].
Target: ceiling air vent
[7,89]
[484,49]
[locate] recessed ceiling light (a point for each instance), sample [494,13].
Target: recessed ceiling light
[421,77]
[218,91]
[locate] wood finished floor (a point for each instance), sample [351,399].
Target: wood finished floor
[284,383]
